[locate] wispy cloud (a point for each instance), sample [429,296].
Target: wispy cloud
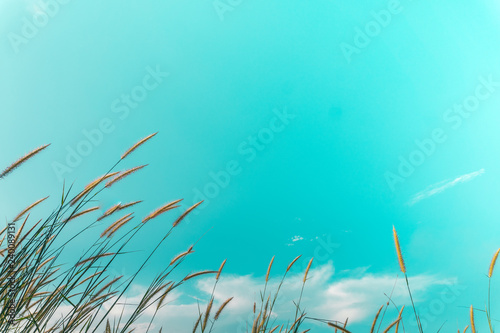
[442,186]
[295,239]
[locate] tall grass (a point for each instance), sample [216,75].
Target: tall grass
[487,311]
[35,286]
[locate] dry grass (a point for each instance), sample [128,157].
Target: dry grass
[398,251]
[22,160]
[27,209]
[137,145]
[44,285]
[124,174]
[221,308]
[472,324]
[492,264]
[375,320]
[189,210]
[163,209]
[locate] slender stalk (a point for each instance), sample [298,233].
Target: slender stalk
[413,305]
[488,310]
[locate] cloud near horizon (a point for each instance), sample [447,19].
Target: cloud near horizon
[356,297]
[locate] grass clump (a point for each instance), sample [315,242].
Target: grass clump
[35,286]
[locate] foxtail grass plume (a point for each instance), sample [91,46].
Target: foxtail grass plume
[130,204]
[90,186]
[90,277]
[189,277]
[296,322]
[109,212]
[255,325]
[80,196]
[472,325]
[161,210]
[97,181]
[307,270]
[217,314]
[119,225]
[86,211]
[117,208]
[392,325]
[180,218]
[220,269]
[375,320]
[397,325]
[165,293]
[182,255]
[398,251]
[269,269]
[20,161]
[27,209]
[94,258]
[20,230]
[137,145]
[207,314]
[115,224]
[338,327]
[197,323]
[293,262]
[124,174]
[107,285]
[492,264]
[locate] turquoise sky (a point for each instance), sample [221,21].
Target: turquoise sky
[311,105]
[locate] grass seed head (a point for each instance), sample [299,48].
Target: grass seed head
[398,251]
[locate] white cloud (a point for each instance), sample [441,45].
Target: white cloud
[324,296]
[295,239]
[442,186]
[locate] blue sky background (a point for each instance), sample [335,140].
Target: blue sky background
[322,177]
